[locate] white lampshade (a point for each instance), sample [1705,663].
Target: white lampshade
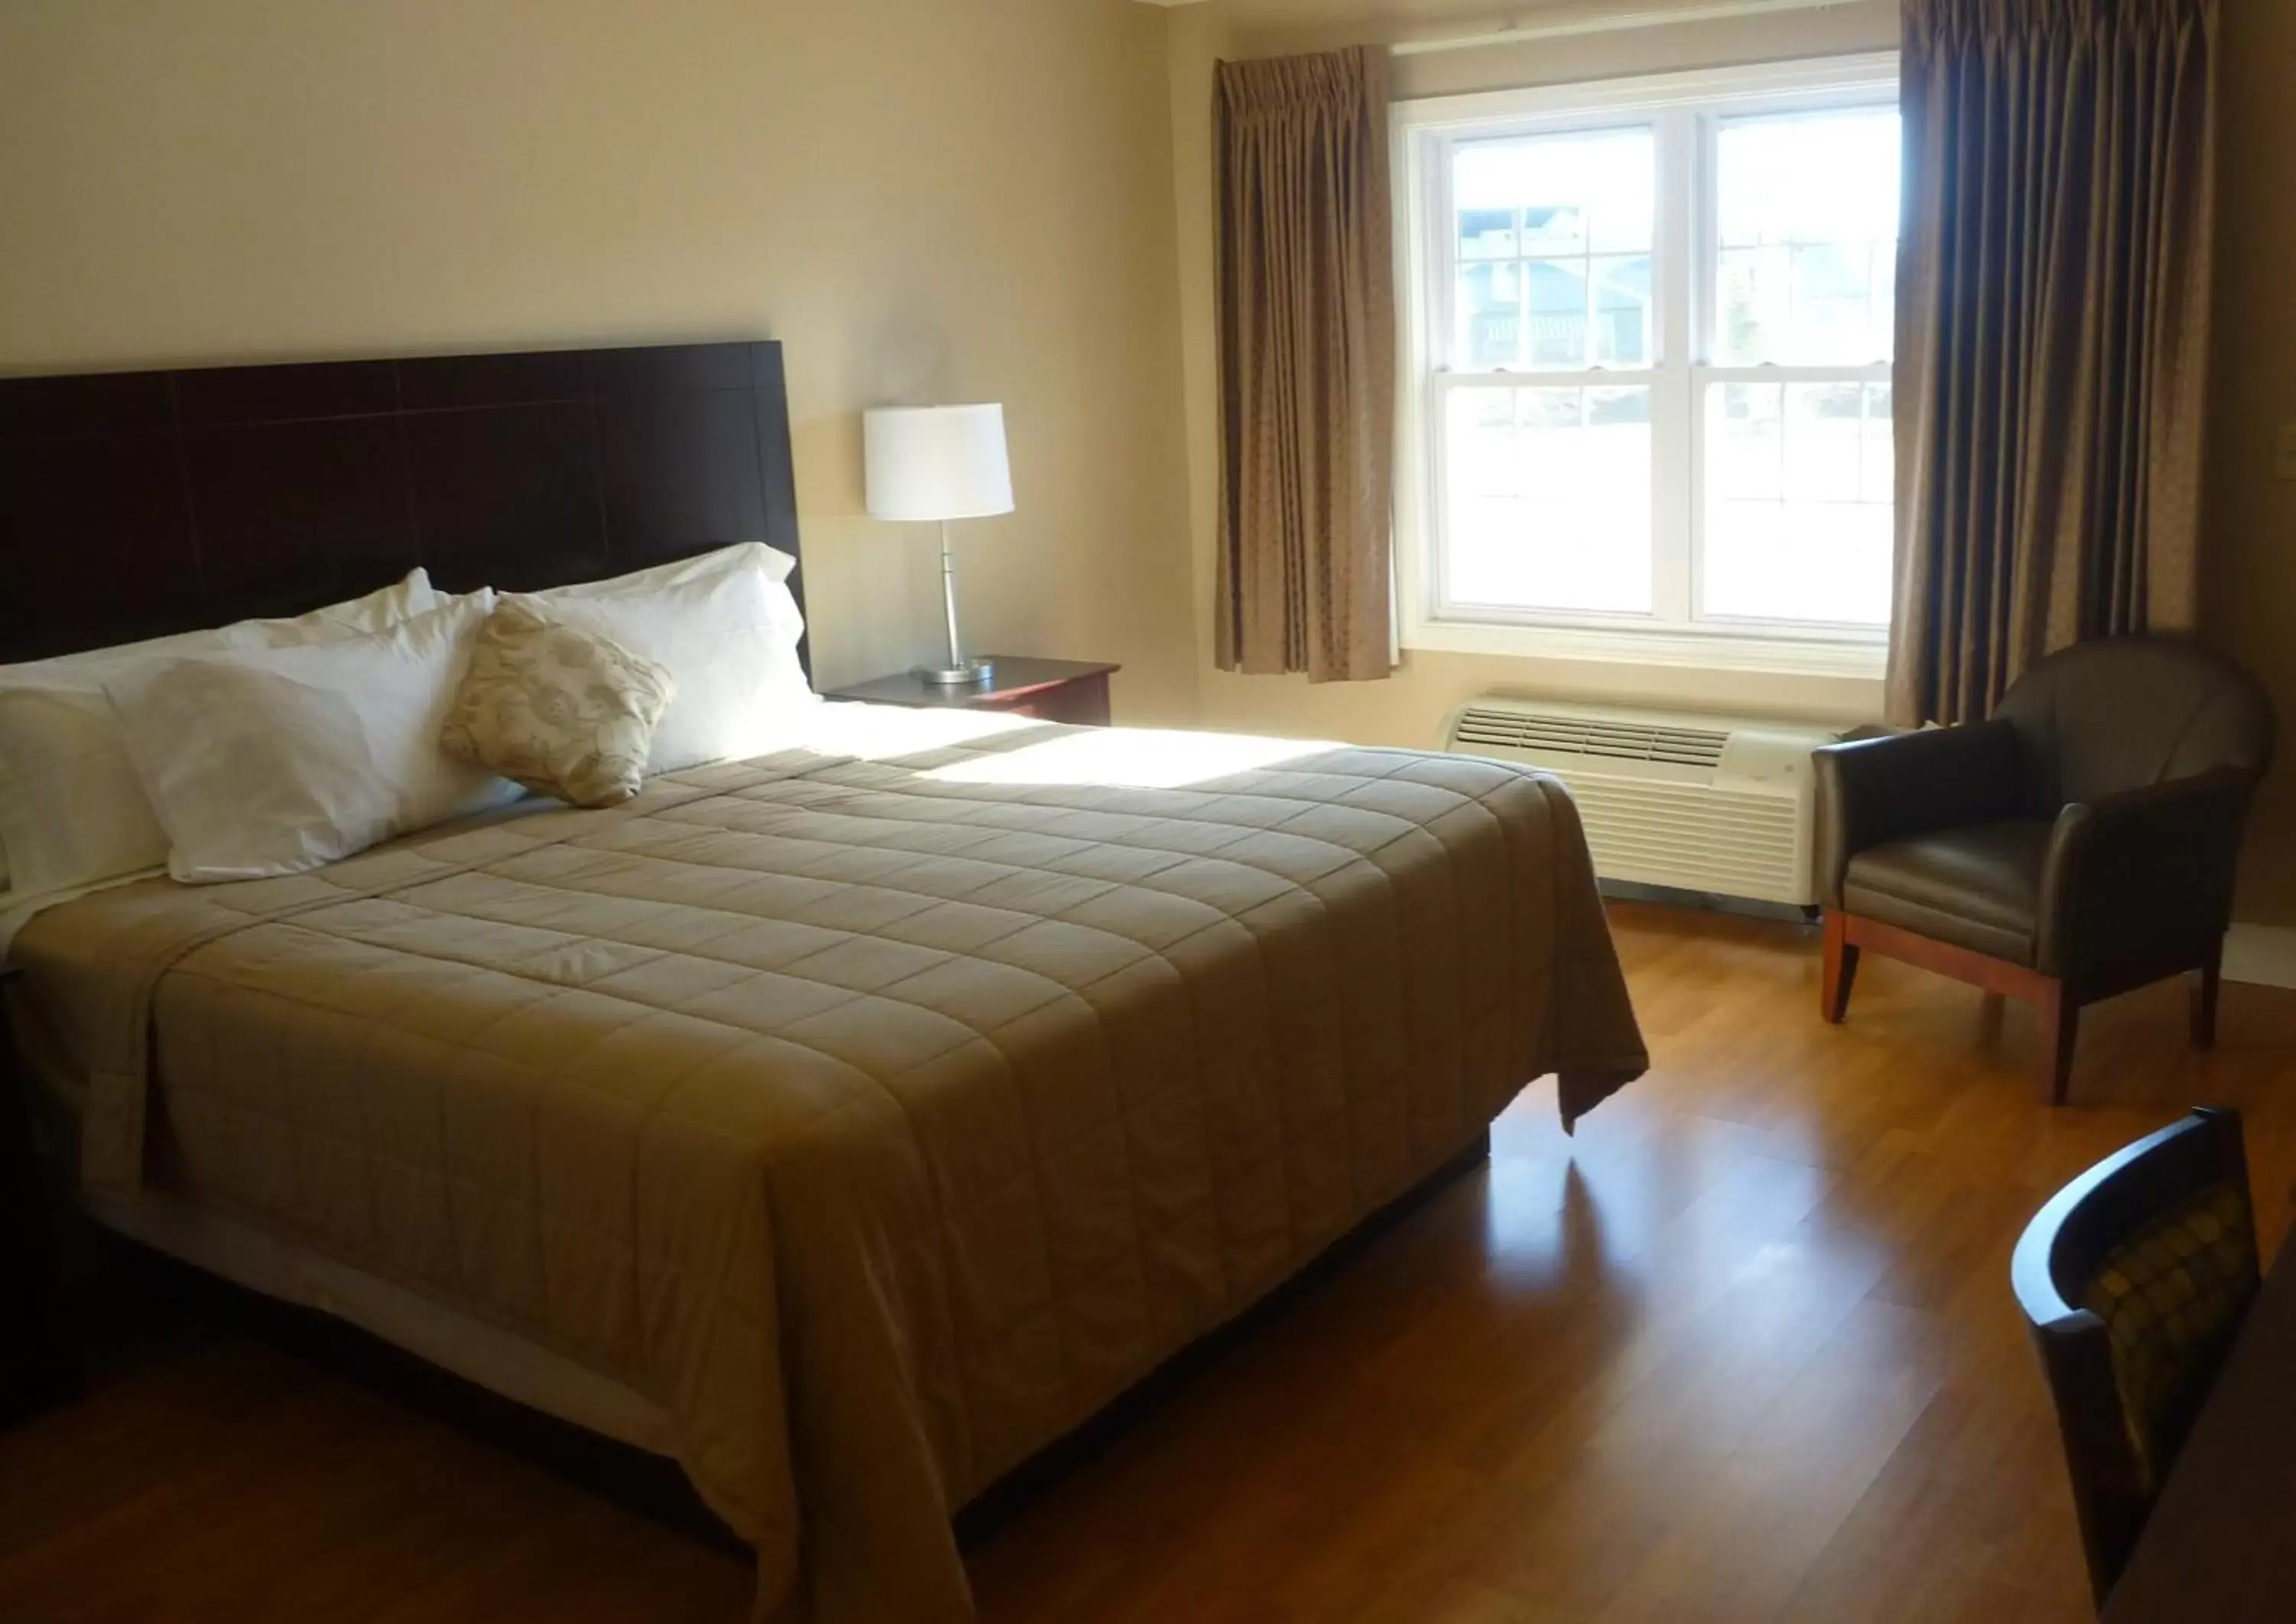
[928,463]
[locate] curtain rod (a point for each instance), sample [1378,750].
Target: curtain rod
[1600,22]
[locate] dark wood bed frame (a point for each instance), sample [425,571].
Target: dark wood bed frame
[132,504]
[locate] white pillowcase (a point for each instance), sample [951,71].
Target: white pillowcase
[274,761]
[72,812]
[753,698]
[771,569]
[776,566]
[730,647]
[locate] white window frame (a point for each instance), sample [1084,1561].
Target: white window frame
[1677,104]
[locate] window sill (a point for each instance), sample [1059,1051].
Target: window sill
[1849,657]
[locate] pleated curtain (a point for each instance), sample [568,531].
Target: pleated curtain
[2053,334]
[1306,288]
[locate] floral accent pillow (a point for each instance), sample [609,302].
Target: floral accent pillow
[556,708]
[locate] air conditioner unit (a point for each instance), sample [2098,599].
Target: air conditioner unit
[1697,803]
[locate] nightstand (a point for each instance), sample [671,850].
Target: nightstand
[1049,690]
[36,1368]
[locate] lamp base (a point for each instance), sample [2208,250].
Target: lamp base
[965,674]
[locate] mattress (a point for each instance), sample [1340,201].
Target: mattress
[877,1110]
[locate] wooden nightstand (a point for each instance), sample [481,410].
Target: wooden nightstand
[35,1365]
[1050,690]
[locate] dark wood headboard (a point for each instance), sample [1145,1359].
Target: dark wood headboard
[137,503]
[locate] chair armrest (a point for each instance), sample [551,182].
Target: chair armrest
[1877,790]
[2142,879]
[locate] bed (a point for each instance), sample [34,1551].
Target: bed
[849,1123]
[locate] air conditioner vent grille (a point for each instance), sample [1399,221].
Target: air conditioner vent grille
[1611,739]
[1696,803]
[1698,840]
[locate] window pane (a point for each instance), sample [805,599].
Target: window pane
[1490,315]
[1808,222]
[1622,310]
[1798,504]
[1745,442]
[1558,312]
[1549,496]
[1825,441]
[1809,178]
[1487,234]
[1594,189]
[1577,213]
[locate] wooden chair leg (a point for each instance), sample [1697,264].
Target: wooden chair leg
[2204,998]
[1840,971]
[2059,1031]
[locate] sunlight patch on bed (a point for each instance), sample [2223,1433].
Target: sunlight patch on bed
[1130,759]
[882,733]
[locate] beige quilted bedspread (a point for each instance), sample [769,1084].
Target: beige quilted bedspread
[879,1110]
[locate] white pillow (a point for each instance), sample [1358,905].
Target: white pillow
[72,812]
[777,566]
[378,611]
[274,761]
[731,650]
[773,569]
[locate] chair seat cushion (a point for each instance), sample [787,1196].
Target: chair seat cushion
[1977,887]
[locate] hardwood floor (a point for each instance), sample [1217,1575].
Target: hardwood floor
[1743,1350]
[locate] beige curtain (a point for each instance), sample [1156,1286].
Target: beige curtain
[1307,285]
[2052,334]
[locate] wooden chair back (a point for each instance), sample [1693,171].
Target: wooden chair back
[2133,1280]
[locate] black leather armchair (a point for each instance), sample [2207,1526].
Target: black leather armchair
[2080,843]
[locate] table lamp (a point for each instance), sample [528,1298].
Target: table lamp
[933,464]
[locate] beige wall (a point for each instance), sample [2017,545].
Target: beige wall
[2253,519]
[925,199]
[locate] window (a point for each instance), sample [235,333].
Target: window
[1650,329]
